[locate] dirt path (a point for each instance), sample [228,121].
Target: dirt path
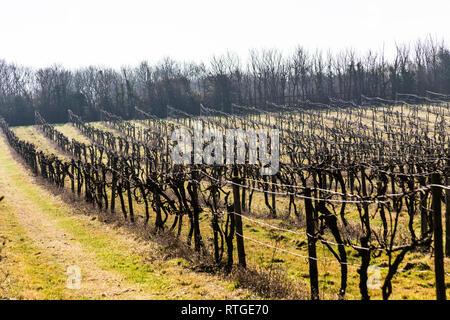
[46,236]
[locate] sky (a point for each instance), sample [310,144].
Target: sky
[124,33]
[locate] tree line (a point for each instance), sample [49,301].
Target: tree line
[266,76]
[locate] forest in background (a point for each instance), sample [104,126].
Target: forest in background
[266,76]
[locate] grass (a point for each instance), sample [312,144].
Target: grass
[33,134]
[35,276]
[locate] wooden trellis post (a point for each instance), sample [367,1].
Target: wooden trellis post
[437,230]
[238,221]
[312,261]
[447,220]
[113,184]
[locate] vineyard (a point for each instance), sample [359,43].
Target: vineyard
[358,209]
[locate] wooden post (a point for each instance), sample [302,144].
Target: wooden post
[437,230]
[113,184]
[79,183]
[447,220]
[130,198]
[72,163]
[244,191]
[196,210]
[238,221]
[158,218]
[274,201]
[229,237]
[87,192]
[312,261]
[365,238]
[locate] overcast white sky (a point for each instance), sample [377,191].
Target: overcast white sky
[115,33]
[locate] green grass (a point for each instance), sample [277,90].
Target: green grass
[40,274]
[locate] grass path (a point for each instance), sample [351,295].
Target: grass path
[45,236]
[34,135]
[72,132]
